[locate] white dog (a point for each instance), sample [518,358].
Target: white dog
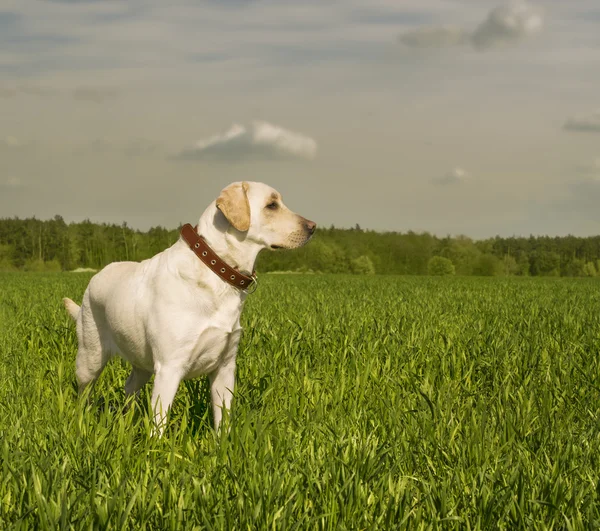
[174,317]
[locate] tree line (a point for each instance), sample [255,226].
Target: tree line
[53,245]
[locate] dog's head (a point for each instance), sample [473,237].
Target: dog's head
[257,210]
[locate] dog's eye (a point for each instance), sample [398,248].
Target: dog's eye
[273,206]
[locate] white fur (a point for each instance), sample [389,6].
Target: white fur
[173,317]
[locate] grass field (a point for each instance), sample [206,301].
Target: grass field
[362,403]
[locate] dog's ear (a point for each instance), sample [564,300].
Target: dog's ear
[234,204]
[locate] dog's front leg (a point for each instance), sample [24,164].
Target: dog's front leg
[222,382]
[166,382]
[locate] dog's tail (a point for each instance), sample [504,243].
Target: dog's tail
[72,307]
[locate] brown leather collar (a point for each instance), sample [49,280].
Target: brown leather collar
[215,264]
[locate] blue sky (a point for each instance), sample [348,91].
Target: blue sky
[451,116]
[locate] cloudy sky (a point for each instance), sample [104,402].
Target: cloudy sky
[452,116]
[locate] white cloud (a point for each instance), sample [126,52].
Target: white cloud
[261,140]
[507,24]
[455,176]
[504,24]
[584,124]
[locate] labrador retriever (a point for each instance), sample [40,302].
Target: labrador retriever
[172,316]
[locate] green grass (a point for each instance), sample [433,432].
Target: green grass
[362,403]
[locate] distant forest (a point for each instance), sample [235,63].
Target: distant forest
[53,245]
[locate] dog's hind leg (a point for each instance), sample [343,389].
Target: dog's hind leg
[137,379]
[91,354]
[89,365]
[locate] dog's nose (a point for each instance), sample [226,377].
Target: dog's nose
[311,226]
